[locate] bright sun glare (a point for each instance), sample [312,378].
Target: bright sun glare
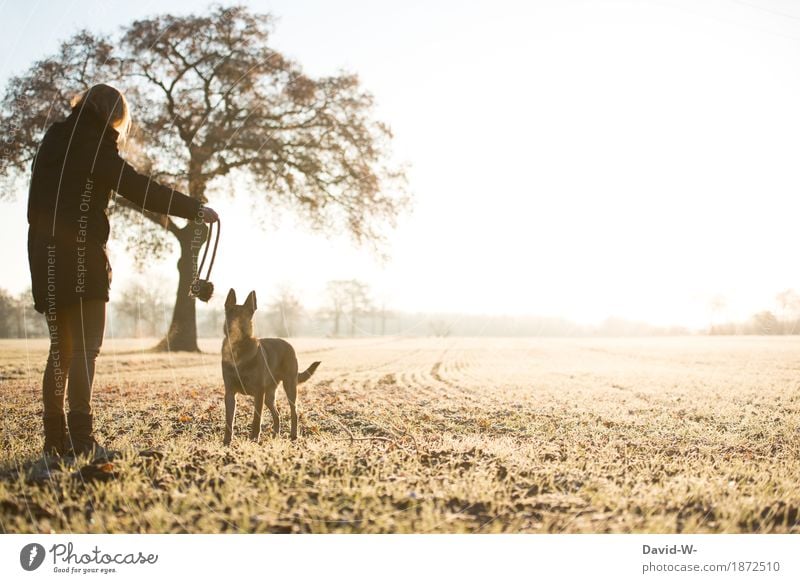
[579,159]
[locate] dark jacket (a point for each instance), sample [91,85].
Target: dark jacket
[72,176]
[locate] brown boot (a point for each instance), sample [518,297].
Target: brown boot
[82,438]
[55,435]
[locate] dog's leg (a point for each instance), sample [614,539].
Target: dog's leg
[230,411]
[290,386]
[276,419]
[255,430]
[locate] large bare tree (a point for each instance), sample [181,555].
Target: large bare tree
[212,101]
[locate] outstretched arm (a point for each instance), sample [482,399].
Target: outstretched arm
[145,192]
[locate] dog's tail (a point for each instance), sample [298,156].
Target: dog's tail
[306,374]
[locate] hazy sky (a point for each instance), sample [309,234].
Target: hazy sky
[581,159]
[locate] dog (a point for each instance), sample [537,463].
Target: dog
[254,366]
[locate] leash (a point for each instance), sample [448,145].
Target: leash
[201,287]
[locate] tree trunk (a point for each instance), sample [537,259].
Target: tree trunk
[182,332]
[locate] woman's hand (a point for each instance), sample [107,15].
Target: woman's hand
[208,214]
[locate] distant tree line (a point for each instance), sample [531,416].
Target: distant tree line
[765,322]
[18,319]
[144,311]
[784,319]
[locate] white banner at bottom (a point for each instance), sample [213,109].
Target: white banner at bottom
[352,558]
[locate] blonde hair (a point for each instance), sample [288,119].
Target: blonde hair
[109,103]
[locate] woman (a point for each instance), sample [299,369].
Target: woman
[74,171]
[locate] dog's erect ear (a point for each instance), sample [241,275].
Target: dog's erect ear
[250,302]
[230,301]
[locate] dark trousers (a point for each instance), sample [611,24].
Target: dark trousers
[76,335]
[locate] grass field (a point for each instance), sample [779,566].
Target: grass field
[430,435]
